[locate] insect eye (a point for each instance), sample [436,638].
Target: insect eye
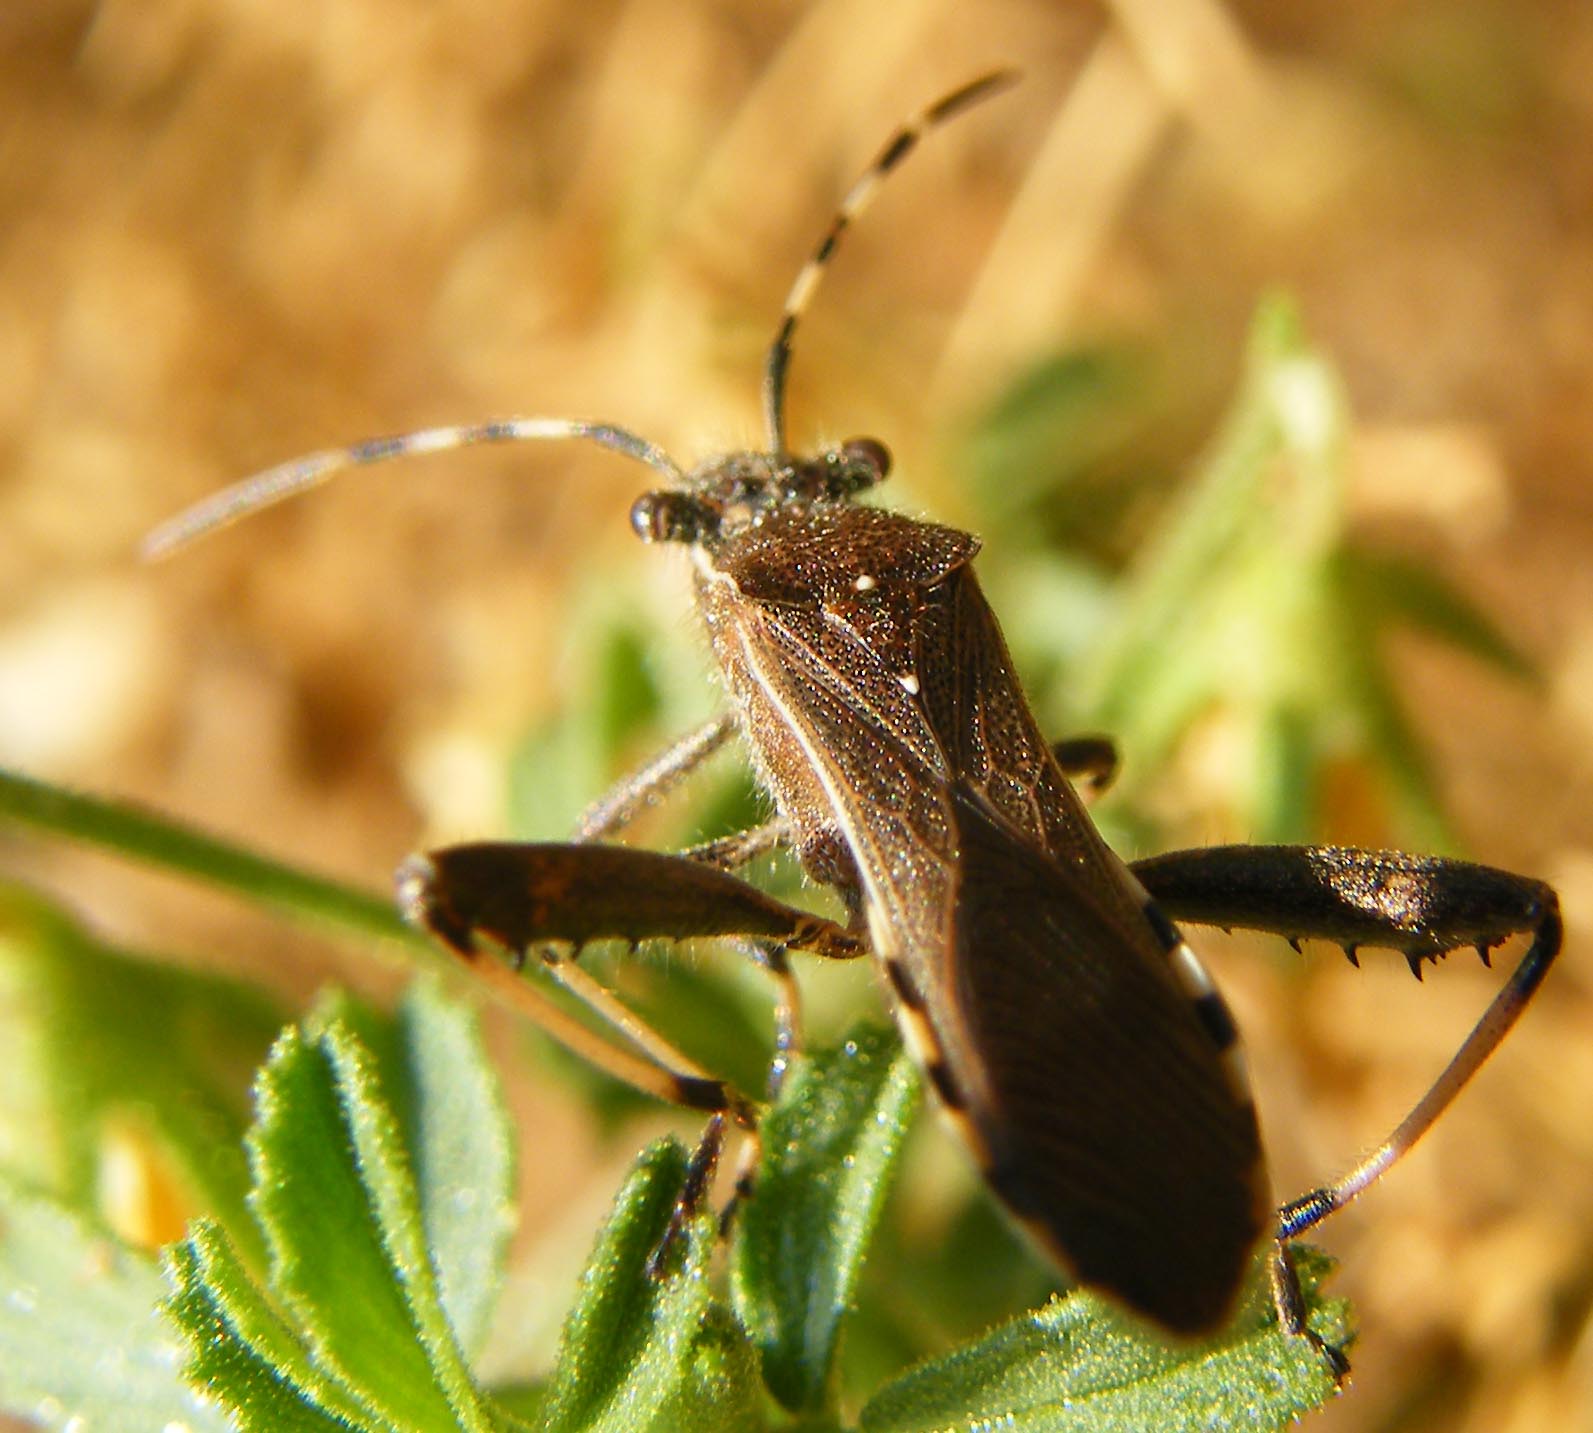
[671,517]
[868,458]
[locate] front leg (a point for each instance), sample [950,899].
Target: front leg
[645,788]
[1423,906]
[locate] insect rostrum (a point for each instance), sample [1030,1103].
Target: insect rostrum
[1068,1029]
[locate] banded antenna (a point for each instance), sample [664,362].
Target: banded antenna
[857,199]
[286,480]
[298,475]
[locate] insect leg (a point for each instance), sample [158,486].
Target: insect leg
[787,1043]
[1089,762]
[1288,1298]
[787,1008]
[683,1085]
[647,787]
[1423,906]
[730,853]
[693,1189]
[519,894]
[525,895]
[693,1085]
[705,1159]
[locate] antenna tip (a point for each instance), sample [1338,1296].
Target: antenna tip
[982,87]
[160,543]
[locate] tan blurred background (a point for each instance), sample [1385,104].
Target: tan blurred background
[231,232]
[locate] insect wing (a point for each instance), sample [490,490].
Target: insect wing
[1028,979]
[1101,1103]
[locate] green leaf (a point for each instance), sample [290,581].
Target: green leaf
[1286,760]
[630,697]
[244,1352]
[524,1400]
[100,1041]
[830,1147]
[1369,691]
[461,1141]
[457,1133]
[1215,603]
[652,1352]
[1079,1365]
[338,1203]
[553,774]
[1062,418]
[1393,589]
[359,1158]
[953,1265]
[630,688]
[82,1342]
[1247,611]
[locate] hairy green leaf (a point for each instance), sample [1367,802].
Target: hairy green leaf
[830,1147]
[457,1134]
[381,1185]
[1079,1365]
[245,1353]
[336,1197]
[652,1351]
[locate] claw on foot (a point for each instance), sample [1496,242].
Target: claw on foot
[693,1190]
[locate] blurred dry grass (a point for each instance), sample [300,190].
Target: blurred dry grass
[230,233]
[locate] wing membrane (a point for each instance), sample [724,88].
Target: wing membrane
[1110,1125]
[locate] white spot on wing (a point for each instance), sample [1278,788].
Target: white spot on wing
[864,583]
[909,683]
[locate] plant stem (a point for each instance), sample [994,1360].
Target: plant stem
[158,840]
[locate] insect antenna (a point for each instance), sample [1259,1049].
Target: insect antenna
[286,480]
[857,198]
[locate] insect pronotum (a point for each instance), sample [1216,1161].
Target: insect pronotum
[1066,1025]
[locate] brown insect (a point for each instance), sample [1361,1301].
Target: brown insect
[1065,1023]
